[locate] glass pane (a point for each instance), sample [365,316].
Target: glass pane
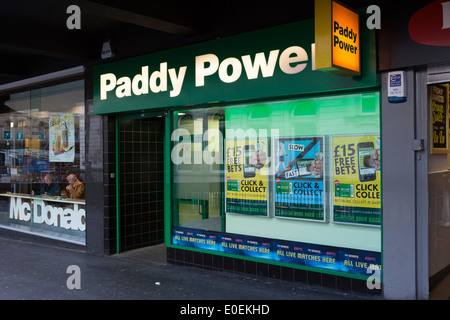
[230,176]
[302,204]
[198,175]
[14,157]
[42,143]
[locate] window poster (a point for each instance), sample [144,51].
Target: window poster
[299,178]
[439,118]
[357,179]
[62,137]
[246,176]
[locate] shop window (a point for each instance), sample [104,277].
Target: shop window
[260,112]
[298,179]
[42,140]
[197,189]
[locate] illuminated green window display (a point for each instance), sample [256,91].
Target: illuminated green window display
[267,179]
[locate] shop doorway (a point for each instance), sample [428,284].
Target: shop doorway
[438,97]
[141,192]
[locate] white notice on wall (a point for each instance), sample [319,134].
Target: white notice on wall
[396,86]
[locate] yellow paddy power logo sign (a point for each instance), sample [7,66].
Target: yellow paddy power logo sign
[337,38]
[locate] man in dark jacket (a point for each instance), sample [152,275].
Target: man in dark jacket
[50,188]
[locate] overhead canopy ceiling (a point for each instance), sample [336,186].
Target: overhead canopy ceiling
[36,40]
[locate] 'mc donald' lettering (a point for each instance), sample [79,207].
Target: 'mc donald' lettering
[55,216]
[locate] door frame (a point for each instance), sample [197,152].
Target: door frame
[124,117]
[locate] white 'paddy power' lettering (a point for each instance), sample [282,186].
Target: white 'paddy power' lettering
[292,60]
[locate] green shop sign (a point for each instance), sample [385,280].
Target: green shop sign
[274,62]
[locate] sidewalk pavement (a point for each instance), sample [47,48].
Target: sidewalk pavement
[36,271]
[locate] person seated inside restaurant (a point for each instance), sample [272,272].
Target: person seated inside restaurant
[49,188]
[75,189]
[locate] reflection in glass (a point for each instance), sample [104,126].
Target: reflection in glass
[198,192]
[42,135]
[204,140]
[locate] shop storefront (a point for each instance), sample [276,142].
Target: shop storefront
[42,143]
[258,153]
[265,161]
[414,46]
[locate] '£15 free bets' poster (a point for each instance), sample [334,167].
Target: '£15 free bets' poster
[357,179]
